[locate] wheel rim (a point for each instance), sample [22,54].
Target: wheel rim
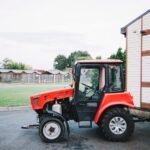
[117,125]
[51,130]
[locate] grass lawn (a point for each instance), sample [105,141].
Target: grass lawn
[18,94]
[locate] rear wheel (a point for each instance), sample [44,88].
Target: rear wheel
[51,129]
[117,124]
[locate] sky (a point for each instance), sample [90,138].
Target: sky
[36,31]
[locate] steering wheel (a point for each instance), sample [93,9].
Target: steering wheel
[87,89]
[87,85]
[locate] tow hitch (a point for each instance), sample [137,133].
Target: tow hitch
[30,126]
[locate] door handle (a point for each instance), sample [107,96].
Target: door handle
[82,104]
[90,104]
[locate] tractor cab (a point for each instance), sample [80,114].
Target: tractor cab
[93,79]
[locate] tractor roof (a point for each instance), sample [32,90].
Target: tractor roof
[102,61]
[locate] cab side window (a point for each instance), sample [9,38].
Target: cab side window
[115,82]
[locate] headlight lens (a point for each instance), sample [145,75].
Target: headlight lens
[36,101]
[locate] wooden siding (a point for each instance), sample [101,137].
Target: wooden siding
[6,77]
[134,60]
[35,77]
[145,84]
[146,21]
[145,100]
[145,94]
[145,32]
[145,105]
[146,69]
[146,53]
[146,42]
[138,59]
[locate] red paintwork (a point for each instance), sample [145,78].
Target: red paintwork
[46,97]
[112,99]
[100,61]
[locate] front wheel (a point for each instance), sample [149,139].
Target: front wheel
[117,124]
[51,129]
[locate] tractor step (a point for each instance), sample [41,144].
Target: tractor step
[85,125]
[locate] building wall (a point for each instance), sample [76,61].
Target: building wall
[30,78]
[145,89]
[59,78]
[46,78]
[34,77]
[7,77]
[41,78]
[138,61]
[146,21]
[134,60]
[146,43]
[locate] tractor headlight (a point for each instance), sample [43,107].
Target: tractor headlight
[36,101]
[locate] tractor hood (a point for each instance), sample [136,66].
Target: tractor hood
[39,100]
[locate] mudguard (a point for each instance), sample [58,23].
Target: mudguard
[55,114]
[113,99]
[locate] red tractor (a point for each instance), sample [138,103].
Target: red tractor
[98,96]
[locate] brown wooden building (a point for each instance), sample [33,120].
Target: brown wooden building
[34,76]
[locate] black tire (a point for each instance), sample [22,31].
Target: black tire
[53,124]
[117,133]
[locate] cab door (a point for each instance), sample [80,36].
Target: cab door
[88,92]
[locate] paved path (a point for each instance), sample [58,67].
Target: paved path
[12,137]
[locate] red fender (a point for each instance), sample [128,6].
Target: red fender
[113,99]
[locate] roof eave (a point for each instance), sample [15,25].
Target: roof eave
[124,29]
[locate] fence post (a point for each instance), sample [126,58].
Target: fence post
[54,78]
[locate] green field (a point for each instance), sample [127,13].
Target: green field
[18,94]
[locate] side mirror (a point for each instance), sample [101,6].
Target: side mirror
[71,85]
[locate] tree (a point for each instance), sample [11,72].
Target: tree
[98,57]
[10,64]
[60,62]
[1,65]
[119,55]
[122,56]
[77,55]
